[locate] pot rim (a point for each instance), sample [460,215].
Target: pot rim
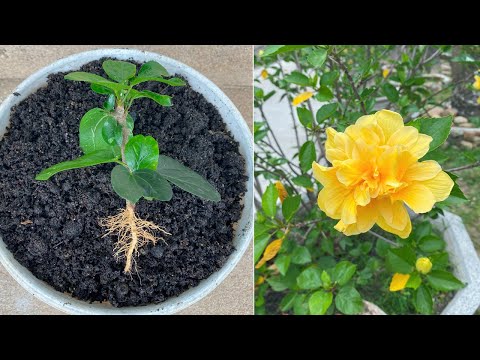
[243,233]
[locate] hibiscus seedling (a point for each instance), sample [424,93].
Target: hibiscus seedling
[106,136]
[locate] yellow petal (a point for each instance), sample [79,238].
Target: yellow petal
[282,192]
[260,280]
[361,195]
[350,172]
[404,233]
[301,98]
[399,281]
[417,196]
[422,146]
[325,175]
[421,171]
[389,121]
[407,136]
[264,74]
[270,252]
[423,265]
[330,200]
[395,214]
[440,186]
[366,120]
[349,210]
[385,73]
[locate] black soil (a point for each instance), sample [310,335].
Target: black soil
[52,228]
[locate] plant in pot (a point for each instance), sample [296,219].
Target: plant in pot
[94,234]
[325,244]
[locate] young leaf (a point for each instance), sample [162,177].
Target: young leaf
[444,281]
[325,112]
[414,281]
[102,90]
[317,57]
[112,132]
[437,128]
[290,206]
[163,100]
[154,186]
[343,272]
[422,300]
[309,279]
[119,70]
[269,201]
[319,302]
[324,94]
[349,301]
[124,184]
[141,152]
[95,79]
[172,81]
[279,49]
[152,69]
[186,179]
[390,92]
[298,78]
[91,125]
[94,158]
[431,243]
[307,155]
[401,260]
[305,116]
[109,105]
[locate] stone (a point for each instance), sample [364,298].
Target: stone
[468,125]
[469,135]
[371,309]
[449,111]
[466,144]
[476,140]
[436,111]
[460,120]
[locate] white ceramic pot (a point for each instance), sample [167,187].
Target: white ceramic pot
[235,123]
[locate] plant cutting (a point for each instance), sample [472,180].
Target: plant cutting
[106,135]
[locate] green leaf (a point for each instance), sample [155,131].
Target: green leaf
[283,262]
[437,128]
[152,69]
[258,92]
[464,58]
[329,78]
[300,307]
[325,112]
[309,278]
[94,158]
[422,300]
[269,201]
[141,152]
[444,281]
[172,81]
[414,281]
[102,90]
[112,132]
[261,243]
[303,181]
[305,117]
[343,272]
[431,243]
[290,206]
[456,191]
[349,301]
[124,184]
[95,79]
[163,100]
[301,255]
[324,94]
[317,57]
[401,260]
[109,105]
[186,179]
[288,301]
[298,78]
[279,49]
[259,135]
[326,280]
[153,185]
[319,302]
[327,246]
[119,70]
[307,155]
[390,92]
[90,133]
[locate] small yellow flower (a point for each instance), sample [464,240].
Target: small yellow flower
[301,98]
[282,192]
[385,72]
[399,281]
[260,280]
[375,171]
[476,84]
[264,74]
[423,265]
[260,52]
[270,252]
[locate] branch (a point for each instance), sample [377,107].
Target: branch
[465,167]
[383,238]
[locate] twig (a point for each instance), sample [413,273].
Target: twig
[305,223]
[465,167]
[304,236]
[383,238]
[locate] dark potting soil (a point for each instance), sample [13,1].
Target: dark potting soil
[52,228]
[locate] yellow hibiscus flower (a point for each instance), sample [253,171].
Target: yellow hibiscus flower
[375,171]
